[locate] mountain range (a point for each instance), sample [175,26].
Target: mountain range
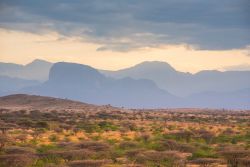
[146,85]
[84,83]
[184,84]
[36,70]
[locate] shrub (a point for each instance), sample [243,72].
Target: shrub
[95,146]
[17,160]
[71,155]
[53,138]
[4,139]
[205,162]
[173,145]
[165,158]
[88,163]
[19,150]
[128,145]
[233,156]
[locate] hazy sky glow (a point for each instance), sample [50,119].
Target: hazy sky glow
[191,35]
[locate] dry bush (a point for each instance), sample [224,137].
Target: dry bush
[205,135]
[144,136]
[37,132]
[92,145]
[53,165]
[65,144]
[165,158]
[184,134]
[128,144]
[131,154]
[17,160]
[88,163]
[70,155]
[128,126]
[228,132]
[173,145]
[134,165]
[5,127]
[19,150]
[244,162]
[4,139]
[233,156]
[205,162]
[22,138]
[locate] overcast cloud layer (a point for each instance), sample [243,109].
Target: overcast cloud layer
[123,25]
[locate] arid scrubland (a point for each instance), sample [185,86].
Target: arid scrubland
[95,136]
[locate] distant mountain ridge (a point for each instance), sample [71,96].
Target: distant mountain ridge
[84,83]
[138,87]
[185,84]
[36,70]
[9,84]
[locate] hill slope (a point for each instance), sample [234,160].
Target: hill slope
[43,103]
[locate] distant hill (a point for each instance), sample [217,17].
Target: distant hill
[43,103]
[84,83]
[239,99]
[10,85]
[185,84]
[36,70]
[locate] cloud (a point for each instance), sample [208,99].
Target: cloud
[117,24]
[247,50]
[240,67]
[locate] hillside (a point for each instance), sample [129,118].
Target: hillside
[43,103]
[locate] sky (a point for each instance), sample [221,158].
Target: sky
[191,35]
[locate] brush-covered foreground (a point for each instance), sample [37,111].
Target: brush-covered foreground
[113,137]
